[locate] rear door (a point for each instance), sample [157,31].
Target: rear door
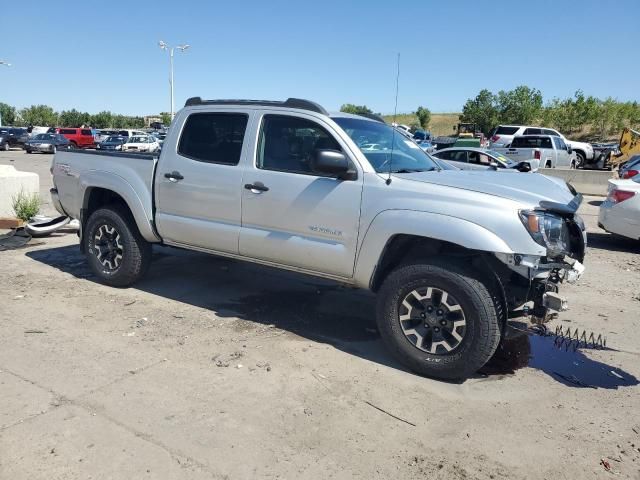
[86,137]
[290,215]
[563,158]
[198,180]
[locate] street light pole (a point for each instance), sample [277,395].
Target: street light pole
[182,48]
[6,64]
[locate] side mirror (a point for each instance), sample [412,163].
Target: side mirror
[569,149]
[331,162]
[523,167]
[494,165]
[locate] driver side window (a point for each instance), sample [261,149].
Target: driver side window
[287,144]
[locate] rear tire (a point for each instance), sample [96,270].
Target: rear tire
[5,147]
[414,334]
[115,250]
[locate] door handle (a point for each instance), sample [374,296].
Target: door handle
[256,187]
[173,176]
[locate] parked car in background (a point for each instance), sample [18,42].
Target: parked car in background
[114,142]
[35,130]
[78,137]
[427,146]
[503,135]
[102,134]
[620,212]
[630,168]
[141,143]
[13,137]
[159,136]
[130,133]
[549,150]
[421,135]
[472,158]
[46,143]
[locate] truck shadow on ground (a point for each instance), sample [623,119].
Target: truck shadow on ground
[311,308]
[614,243]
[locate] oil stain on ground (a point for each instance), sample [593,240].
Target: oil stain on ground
[573,368]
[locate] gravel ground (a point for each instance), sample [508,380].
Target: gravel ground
[212,368]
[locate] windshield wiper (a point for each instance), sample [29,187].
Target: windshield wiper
[414,170]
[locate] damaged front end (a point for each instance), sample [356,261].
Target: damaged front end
[531,282]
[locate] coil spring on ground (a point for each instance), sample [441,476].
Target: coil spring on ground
[577,339]
[572,339]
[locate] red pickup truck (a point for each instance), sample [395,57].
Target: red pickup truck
[79,137]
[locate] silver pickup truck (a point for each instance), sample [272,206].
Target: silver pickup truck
[451,254]
[549,150]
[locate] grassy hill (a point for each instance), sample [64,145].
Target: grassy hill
[441,123]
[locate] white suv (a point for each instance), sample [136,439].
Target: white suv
[502,136]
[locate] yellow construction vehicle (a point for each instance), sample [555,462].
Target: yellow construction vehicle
[629,146]
[607,156]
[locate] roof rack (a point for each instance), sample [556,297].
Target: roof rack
[290,103]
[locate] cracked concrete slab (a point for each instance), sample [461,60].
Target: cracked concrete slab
[71,443]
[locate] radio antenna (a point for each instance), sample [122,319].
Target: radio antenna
[394,126]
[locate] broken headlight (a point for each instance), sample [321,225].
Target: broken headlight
[548,230]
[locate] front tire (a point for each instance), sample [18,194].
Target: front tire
[581,160]
[115,250]
[439,320]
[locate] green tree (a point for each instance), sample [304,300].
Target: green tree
[119,121]
[482,111]
[73,118]
[40,115]
[165,118]
[521,106]
[7,114]
[102,119]
[355,109]
[424,117]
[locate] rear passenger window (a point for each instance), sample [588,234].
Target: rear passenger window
[287,144]
[533,131]
[506,130]
[67,131]
[86,132]
[213,137]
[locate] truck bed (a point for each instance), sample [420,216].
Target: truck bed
[74,169]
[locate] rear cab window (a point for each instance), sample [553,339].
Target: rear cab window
[531,142]
[213,137]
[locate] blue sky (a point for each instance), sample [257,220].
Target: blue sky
[104,55]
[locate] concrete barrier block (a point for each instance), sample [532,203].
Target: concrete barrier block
[587,182]
[12,182]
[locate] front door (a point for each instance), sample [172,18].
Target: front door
[198,185]
[291,215]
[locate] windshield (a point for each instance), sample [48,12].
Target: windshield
[114,139]
[376,140]
[44,136]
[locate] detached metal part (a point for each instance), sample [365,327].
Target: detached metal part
[554,301]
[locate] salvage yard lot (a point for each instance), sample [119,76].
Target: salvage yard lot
[213,368]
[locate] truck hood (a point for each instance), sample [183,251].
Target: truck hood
[526,188]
